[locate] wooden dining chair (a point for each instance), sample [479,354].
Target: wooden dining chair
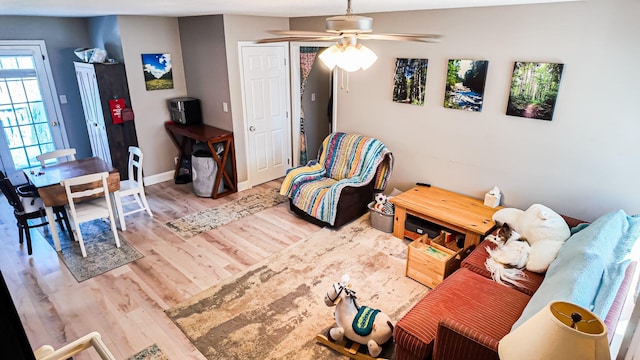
[88,199]
[133,186]
[69,154]
[26,208]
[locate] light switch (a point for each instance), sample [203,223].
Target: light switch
[313,96]
[63,99]
[225,107]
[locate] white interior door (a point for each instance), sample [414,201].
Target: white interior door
[93,115]
[265,90]
[29,113]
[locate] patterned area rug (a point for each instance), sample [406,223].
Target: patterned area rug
[274,309]
[102,253]
[153,352]
[191,225]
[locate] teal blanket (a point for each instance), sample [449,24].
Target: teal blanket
[590,266]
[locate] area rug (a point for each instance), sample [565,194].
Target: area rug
[153,352]
[274,309]
[102,253]
[191,225]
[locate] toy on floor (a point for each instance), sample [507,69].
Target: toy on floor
[360,324]
[382,204]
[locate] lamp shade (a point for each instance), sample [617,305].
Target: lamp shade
[553,333]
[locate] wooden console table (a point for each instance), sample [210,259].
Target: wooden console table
[460,213]
[184,136]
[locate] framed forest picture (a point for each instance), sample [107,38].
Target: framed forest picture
[410,81]
[534,89]
[464,89]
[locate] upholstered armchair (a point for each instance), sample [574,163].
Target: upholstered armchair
[337,188]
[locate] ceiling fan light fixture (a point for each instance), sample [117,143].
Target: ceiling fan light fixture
[367,57]
[350,57]
[330,56]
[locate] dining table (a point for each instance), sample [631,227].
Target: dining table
[47,180]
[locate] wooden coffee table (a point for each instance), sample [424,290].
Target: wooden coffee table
[460,213]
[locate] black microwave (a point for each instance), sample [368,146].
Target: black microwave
[185,110]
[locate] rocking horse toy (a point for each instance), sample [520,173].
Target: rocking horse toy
[360,324]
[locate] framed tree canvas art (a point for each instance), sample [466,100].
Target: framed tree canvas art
[410,81]
[534,89]
[464,89]
[158,74]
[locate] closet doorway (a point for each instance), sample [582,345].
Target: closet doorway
[313,105]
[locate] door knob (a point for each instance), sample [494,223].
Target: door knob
[54,123]
[252,128]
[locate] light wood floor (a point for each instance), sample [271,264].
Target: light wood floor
[126,305]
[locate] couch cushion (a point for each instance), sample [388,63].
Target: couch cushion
[618,303]
[590,266]
[476,263]
[465,297]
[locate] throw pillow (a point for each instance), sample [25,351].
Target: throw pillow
[544,229]
[507,216]
[541,223]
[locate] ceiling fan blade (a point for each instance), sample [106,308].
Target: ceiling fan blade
[300,33]
[296,38]
[401,37]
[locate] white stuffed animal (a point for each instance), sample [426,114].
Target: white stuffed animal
[542,228]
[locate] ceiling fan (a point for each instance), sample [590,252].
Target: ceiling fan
[347,29]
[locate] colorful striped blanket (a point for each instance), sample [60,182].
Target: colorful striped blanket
[345,160]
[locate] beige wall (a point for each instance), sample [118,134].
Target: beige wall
[583,163]
[149,35]
[205,66]
[141,34]
[237,29]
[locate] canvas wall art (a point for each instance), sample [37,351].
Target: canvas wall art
[158,74]
[534,89]
[410,81]
[464,89]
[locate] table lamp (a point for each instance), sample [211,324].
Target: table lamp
[561,330]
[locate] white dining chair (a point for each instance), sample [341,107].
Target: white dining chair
[91,340]
[70,154]
[82,210]
[133,186]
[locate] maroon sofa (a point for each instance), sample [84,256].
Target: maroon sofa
[465,316]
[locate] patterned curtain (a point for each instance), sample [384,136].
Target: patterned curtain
[307,58]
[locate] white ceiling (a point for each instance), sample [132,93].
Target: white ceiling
[284,8]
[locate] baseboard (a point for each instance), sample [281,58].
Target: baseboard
[158,178]
[168,175]
[242,186]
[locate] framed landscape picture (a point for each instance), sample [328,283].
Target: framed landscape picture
[464,89]
[410,81]
[534,89]
[158,74]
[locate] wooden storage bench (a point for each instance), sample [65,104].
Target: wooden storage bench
[429,261]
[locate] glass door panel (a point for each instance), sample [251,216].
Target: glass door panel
[27,128]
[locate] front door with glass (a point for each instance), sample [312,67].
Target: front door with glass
[31,124]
